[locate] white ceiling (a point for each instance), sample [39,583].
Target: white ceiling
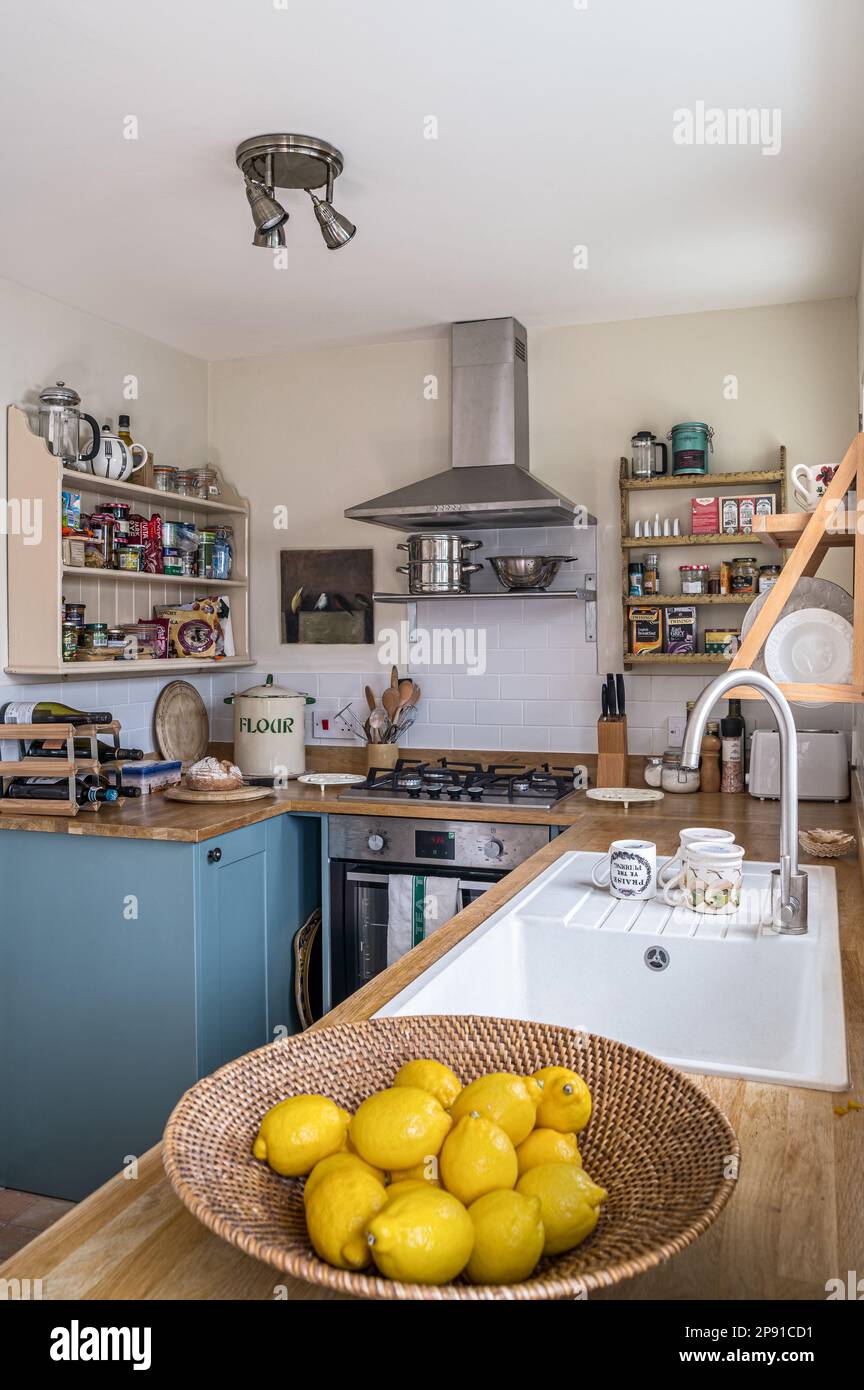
[555,129]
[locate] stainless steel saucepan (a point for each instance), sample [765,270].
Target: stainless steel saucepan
[437,564]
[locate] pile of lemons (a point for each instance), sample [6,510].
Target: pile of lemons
[430,1179]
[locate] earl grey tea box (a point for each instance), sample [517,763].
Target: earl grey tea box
[680,629]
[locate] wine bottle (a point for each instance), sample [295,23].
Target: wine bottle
[56,748]
[50,712]
[57,789]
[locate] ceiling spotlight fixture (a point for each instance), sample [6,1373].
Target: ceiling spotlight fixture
[271,162]
[268,214]
[335,229]
[272,239]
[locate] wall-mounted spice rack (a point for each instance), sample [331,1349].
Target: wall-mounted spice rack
[696,483]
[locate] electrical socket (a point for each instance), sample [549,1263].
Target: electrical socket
[335,726]
[675,726]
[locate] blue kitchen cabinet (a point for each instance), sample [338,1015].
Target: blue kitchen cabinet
[128,969]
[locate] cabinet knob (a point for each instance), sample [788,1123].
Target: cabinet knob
[213,856]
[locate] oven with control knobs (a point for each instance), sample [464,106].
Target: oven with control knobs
[366,851]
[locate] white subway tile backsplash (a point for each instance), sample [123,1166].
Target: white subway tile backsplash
[525,636]
[548,712]
[477,736]
[557,661]
[476,687]
[498,712]
[525,687]
[531,740]
[436,688]
[451,711]
[505,663]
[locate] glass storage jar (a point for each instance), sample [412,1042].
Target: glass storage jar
[653,772]
[675,778]
[745,575]
[694,579]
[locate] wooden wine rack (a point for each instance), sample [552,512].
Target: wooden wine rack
[54,767]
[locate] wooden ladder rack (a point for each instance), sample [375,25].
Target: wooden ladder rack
[810,535]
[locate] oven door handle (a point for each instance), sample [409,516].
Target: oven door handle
[469,884]
[366,878]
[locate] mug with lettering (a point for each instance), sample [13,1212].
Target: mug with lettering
[672,868]
[628,869]
[710,880]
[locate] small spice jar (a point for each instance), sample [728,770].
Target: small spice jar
[95,636]
[653,772]
[675,778]
[745,575]
[714,582]
[636,578]
[768,576]
[74,613]
[651,574]
[694,579]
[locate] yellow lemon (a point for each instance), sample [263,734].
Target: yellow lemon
[421,1237]
[509,1100]
[547,1146]
[430,1076]
[566,1101]
[569,1203]
[337,1212]
[423,1172]
[298,1132]
[477,1157]
[334,1163]
[399,1127]
[508,1238]
[405,1185]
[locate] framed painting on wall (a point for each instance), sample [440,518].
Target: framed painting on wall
[326,595]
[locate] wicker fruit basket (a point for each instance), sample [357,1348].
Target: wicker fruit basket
[659,1145]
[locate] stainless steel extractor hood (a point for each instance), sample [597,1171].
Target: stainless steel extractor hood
[489,485]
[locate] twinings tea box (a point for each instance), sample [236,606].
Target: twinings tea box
[680,622]
[646,631]
[704,516]
[729,515]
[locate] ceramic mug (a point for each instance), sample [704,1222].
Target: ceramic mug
[672,868]
[809,484]
[710,879]
[628,869]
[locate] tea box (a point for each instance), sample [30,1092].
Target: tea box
[646,631]
[680,625]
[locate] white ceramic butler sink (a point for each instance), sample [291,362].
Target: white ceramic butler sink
[721,995]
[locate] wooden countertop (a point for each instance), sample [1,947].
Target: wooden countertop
[795,1220]
[154,817]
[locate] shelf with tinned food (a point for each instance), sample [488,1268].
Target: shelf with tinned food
[148,665]
[156,497]
[209,586]
[39,582]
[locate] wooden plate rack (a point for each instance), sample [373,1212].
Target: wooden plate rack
[808,536]
[68,767]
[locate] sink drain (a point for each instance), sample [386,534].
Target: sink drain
[656,958]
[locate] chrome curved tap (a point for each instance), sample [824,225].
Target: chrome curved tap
[790,914]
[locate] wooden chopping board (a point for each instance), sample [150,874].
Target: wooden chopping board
[235,794]
[181,724]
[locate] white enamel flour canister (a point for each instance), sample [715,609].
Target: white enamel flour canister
[269,730]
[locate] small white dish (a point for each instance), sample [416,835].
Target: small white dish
[624,795]
[810,647]
[330,779]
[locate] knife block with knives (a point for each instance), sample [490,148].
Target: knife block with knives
[612,757]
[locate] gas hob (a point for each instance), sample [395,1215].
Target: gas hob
[479,784]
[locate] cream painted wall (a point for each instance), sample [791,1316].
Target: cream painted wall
[42,341]
[316,433]
[321,431]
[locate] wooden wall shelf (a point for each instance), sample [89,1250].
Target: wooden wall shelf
[705,482]
[39,581]
[744,542]
[785,530]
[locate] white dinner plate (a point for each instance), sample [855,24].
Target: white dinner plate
[807,593]
[810,647]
